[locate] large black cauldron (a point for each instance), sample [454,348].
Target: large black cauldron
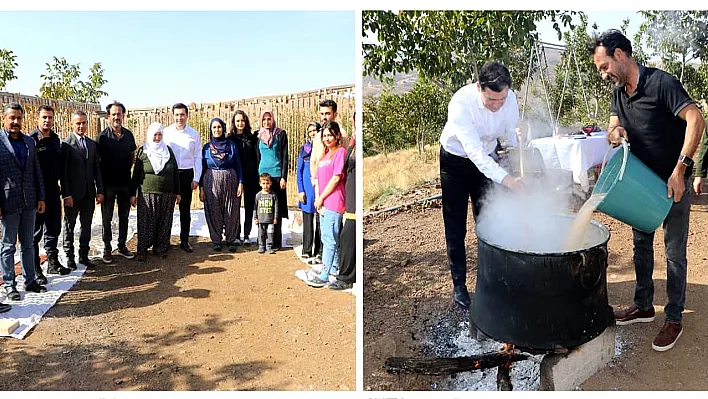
[542,300]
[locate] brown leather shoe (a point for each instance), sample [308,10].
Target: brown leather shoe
[667,337]
[633,315]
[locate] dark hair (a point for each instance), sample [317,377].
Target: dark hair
[315,124]
[246,129]
[330,104]
[45,107]
[336,131]
[115,104]
[79,112]
[610,39]
[180,106]
[494,76]
[13,106]
[264,176]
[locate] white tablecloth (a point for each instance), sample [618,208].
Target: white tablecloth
[576,155]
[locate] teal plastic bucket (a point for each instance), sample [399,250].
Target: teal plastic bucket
[634,193]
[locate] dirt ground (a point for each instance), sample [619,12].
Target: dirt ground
[408,299]
[200,321]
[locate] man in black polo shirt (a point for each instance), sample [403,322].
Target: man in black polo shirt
[48,224]
[116,152]
[652,110]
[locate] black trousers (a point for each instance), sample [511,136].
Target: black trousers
[250,189]
[84,210]
[461,182]
[186,176]
[48,224]
[282,211]
[347,252]
[311,236]
[121,195]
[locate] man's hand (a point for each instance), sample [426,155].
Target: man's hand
[676,185]
[201,195]
[614,136]
[69,202]
[275,221]
[513,183]
[40,206]
[195,184]
[301,197]
[239,191]
[698,185]
[99,199]
[318,203]
[282,184]
[133,201]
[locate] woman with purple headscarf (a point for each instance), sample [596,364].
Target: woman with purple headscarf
[221,186]
[273,159]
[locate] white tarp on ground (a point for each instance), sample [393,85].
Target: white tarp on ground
[32,307]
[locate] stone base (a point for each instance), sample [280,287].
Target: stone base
[566,372]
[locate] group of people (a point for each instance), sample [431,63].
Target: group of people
[650,108]
[44,177]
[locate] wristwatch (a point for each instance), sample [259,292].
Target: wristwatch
[686,160]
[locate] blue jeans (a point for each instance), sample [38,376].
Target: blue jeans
[330,223]
[675,238]
[13,225]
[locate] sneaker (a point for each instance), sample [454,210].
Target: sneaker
[186,247]
[216,247]
[71,264]
[305,256]
[246,241]
[140,257]
[261,250]
[12,294]
[4,308]
[667,337]
[315,261]
[315,281]
[317,268]
[89,265]
[233,247]
[271,251]
[107,257]
[35,287]
[125,252]
[339,285]
[633,315]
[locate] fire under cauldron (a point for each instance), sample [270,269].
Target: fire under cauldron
[535,302]
[542,300]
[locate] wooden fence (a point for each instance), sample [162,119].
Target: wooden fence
[292,112]
[62,113]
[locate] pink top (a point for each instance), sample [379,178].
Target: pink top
[327,167]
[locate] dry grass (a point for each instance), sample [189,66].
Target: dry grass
[388,174]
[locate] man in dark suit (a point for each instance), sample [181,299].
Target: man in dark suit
[21,196]
[48,145]
[81,185]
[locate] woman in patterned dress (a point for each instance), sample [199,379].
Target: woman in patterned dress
[155,190]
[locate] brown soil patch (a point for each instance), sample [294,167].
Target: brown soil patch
[408,300]
[200,321]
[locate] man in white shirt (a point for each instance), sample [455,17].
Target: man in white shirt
[478,115]
[187,147]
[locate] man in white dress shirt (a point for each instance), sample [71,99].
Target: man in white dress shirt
[478,115]
[187,147]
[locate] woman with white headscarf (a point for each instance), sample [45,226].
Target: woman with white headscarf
[155,189]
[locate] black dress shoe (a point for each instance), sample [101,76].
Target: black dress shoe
[35,287]
[40,278]
[4,308]
[187,248]
[55,267]
[12,293]
[461,296]
[71,264]
[89,265]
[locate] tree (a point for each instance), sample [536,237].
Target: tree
[448,47]
[7,67]
[62,82]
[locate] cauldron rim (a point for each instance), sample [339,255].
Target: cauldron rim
[594,222]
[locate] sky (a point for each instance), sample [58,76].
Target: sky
[604,19]
[157,58]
